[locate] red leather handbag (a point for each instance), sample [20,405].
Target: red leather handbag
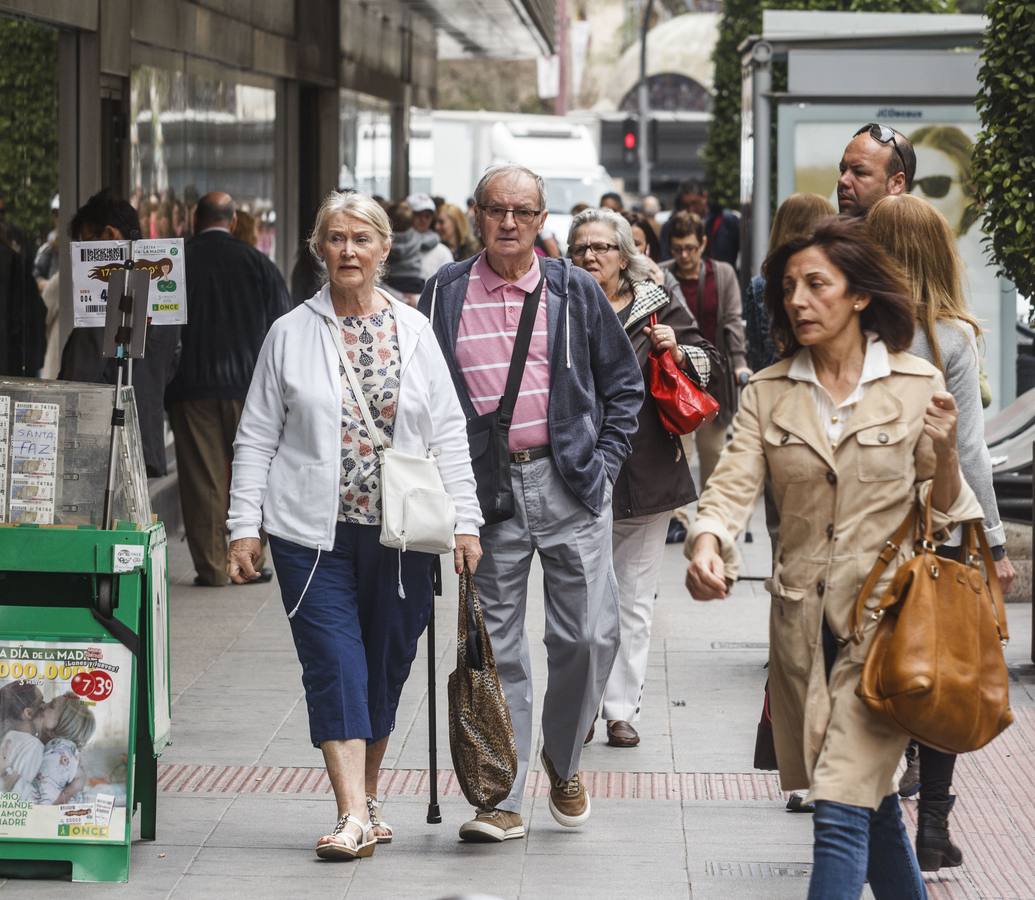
[682,405]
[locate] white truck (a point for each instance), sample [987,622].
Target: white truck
[464,144]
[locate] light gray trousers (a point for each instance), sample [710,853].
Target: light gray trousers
[582,618]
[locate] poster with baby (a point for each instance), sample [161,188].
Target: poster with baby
[64,739]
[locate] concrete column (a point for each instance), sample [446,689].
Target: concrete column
[401,144]
[285,187]
[79,142]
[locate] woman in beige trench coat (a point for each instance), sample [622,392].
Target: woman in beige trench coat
[850,431]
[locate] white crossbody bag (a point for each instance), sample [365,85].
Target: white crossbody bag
[416,511]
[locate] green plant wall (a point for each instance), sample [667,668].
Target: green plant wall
[28,124]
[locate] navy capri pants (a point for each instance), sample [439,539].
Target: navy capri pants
[355,632]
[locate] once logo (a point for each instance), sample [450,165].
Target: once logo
[90,832]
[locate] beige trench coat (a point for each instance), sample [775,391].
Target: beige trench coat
[837,506]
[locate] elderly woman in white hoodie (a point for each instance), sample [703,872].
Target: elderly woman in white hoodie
[305,471]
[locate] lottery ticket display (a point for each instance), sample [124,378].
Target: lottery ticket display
[94,262]
[54,450]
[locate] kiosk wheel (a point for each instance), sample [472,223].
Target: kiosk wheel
[104,596]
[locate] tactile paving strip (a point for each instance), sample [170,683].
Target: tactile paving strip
[994,819]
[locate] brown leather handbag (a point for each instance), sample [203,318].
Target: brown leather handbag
[935,667]
[481,735]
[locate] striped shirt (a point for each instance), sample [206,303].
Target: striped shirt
[485,343]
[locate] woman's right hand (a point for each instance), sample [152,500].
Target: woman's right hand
[241,558]
[706,574]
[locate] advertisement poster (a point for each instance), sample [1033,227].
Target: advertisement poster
[943,139]
[94,262]
[64,739]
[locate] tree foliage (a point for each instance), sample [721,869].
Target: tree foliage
[1004,158]
[28,123]
[740,20]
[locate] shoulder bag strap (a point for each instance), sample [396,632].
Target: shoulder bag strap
[357,390]
[521,343]
[887,554]
[992,577]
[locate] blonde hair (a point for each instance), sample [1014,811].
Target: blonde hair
[796,217]
[351,203]
[461,227]
[920,240]
[75,720]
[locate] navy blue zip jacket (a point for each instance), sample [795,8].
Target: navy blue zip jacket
[596,387]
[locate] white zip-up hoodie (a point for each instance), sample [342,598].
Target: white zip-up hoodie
[287,455]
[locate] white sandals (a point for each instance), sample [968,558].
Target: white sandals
[343,845]
[373,807]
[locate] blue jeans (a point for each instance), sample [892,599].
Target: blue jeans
[853,843]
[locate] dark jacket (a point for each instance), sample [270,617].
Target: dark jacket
[596,388]
[22,316]
[656,476]
[761,349]
[234,294]
[81,360]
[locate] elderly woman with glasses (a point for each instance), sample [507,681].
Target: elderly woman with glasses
[655,479]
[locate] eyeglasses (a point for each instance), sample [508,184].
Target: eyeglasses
[599,248]
[884,135]
[936,186]
[684,249]
[522,215]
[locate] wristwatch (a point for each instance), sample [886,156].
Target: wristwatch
[998,552]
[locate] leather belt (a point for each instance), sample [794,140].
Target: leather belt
[529,455]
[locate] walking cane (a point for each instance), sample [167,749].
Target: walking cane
[434,813]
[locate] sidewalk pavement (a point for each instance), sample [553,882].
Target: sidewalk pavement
[244,795]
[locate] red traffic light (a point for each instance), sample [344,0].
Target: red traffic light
[630,140]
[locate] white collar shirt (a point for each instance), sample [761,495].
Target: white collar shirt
[834,416]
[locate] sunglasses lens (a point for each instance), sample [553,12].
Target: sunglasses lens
[936,186]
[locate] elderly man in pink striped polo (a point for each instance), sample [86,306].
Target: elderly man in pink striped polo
[579,397]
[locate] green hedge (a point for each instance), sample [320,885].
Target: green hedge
[1004,158]
[741,19]
[28,123]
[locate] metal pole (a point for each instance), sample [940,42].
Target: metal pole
[761,112]
[643,97]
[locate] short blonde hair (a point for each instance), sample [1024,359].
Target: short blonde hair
[351,203]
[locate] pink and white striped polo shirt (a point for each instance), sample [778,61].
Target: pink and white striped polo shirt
[488,327]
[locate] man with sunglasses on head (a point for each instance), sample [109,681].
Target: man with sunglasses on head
[877,162]
[577,405]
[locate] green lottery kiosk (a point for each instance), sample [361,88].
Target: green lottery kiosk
[84,648]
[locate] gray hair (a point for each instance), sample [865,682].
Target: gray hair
[351,203]
[637,268]
[509,169]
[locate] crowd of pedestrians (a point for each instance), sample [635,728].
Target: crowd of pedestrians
[847,375]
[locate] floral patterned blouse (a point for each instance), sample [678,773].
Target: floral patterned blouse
[372,346]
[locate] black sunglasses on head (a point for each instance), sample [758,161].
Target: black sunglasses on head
[884,135]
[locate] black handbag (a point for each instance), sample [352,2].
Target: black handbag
[489,434]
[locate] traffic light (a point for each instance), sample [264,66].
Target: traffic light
[630,141]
